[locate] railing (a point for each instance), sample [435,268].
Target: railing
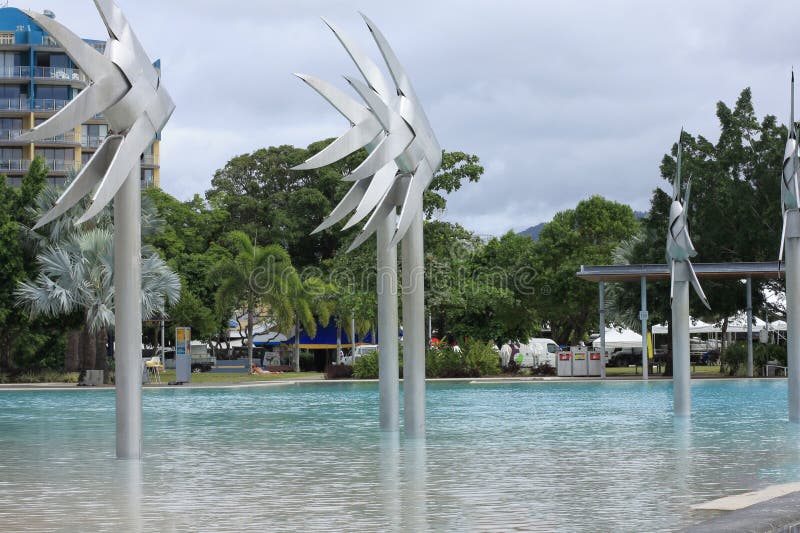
[47,105]
[91,141]
[61,165]
[64,138]
[148,160]
[9,135]
[15,72]
[15,104]
[59,73]
[49,41]
[12,165]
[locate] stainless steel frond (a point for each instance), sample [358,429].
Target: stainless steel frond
[127,88]
[403,151]
[790,187]
[680,248]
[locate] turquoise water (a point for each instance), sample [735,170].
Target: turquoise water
[523,456]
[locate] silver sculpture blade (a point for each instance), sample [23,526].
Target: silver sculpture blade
[790,187]
[127,88]
[396,134]
[680,248]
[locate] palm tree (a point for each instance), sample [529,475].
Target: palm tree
[259,280]
[313,301]
[76,270]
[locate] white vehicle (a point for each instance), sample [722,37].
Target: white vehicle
[359,351]
[537,352]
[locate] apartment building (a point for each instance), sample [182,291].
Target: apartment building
[37,78]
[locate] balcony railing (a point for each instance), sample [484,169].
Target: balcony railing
[15,165]
[64,138]
[15,72]
[61,165]
[148,160]
[92,142]
[9,135]
[15,104]
[47,105]
[59,73]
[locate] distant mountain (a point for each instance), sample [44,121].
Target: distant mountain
[533,231]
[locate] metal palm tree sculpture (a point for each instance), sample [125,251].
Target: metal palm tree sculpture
[790,244]
[403,157]
[680,248]
[127,89]
[790,188]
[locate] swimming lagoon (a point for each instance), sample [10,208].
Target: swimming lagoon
[578,456]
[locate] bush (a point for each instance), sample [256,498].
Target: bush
[307,363]
[366,366]
[734,358]
[338,372]
[767,352]
[545,369]
[474,359]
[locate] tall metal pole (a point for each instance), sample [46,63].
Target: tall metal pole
[388,364]
[643,316]
[602,329]
[681,370]
[414,330]
[128,316]
[749,327]
[793,311]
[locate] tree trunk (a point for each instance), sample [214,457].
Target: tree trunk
[250,310]
[88,349]
[100,351]
[338,339]
[723,344]
[5,350]
[296,343]
[72,356]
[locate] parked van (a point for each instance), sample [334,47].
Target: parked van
[357,352]
[537,352]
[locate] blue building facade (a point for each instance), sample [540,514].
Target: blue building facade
[37,79]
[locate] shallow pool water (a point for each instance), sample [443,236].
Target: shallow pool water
[519,456]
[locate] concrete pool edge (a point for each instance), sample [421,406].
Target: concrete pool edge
[27,387]
[777,514]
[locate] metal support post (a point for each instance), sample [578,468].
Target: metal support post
[749,327]
[128,316]
[643,316]
[602,329]
[388,364]
[681,369]
[793,311]
[414,330]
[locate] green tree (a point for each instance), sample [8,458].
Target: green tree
[313,301]
[20,338]
[259,280]
[586,235]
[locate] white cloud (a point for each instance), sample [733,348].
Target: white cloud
[560,100]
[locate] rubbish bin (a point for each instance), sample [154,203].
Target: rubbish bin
[580,362]
[564,364]
[595,363]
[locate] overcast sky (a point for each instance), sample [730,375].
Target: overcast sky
[560,100]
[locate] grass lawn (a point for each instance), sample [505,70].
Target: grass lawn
[213,377]
[699,371]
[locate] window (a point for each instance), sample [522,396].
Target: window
[10,123]
[48,41]
[147,178]
[52,92]
[58,159]
[10,159]
[85,157]
[6,37]
[93,135]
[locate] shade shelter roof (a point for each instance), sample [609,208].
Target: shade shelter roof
[634,273]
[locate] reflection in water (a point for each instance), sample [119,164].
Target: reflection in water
[128,494]
[415,493]
[389,462]
[525,456]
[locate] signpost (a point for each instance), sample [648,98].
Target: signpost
[183,357]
